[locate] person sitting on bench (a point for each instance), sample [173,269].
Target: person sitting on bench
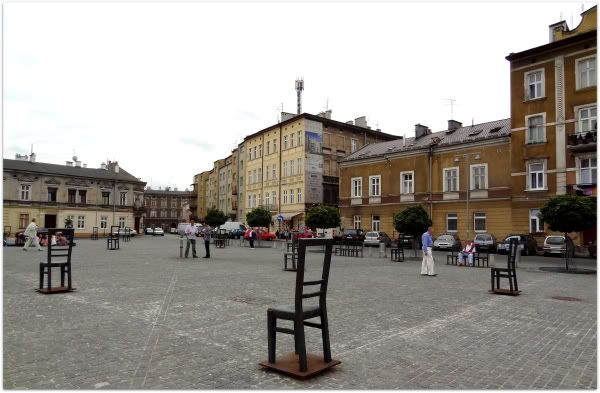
[468,251]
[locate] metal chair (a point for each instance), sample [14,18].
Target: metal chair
[509,272]
[59,256]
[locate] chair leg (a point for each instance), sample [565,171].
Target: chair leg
[49,277]
[325,335]
[515,278]
[299,336]
[69,276]
[492,278]
[295,338]
[62,275]
[271,322]
[41,276]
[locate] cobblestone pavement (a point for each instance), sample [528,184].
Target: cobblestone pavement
[143,318]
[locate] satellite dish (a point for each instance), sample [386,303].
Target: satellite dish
[74,158]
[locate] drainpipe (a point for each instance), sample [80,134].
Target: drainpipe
[430,156]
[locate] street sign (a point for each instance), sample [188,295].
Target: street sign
[280,218]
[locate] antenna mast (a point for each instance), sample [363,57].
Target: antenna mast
[452,101]
[299,88]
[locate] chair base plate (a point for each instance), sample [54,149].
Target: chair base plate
[48,291]
[288,364]
[500,291]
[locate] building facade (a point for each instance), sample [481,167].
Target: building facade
[90,197]
[460,176]
[553,122]
[166,208]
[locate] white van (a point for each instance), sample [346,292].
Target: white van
[231,225]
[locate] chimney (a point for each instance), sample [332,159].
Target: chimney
[78,164]
[350,122]
[21,157]
[454,125]
[361,121]
[32,157]
[421,130]
[69,163]
[85,165]
[103,166]
[557,29]
[116,168]
[175,188]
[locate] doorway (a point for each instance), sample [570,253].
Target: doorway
[50,220]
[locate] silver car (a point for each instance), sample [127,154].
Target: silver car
[447,242]
[485,241]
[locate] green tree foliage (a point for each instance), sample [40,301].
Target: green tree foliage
[323,217]
[412,221]
[569,213]
[215,217]
[258,217]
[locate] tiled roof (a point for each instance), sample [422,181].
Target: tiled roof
[462,135]
[54,169]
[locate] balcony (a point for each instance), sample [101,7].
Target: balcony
[234,190]
[580,142]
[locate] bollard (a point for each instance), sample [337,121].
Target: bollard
[274,243]
[492,260]
[370,253]
[180,247]
[382,250]
[518,257]
[241,241]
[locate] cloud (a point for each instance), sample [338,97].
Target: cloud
[199,144]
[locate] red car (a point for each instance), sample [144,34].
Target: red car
[260,234]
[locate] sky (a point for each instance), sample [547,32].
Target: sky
[166,89]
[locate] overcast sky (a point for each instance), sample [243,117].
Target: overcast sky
[166,89]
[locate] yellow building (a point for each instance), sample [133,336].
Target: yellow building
[460,176]
[90,197]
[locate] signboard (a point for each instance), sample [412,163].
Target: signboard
[280,218]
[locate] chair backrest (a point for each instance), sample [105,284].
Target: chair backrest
[114,231]
[300,293]
[57,251]
[513,249]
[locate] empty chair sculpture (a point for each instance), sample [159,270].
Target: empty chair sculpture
[300,312]
[509,272]
[59,256]
[112,241]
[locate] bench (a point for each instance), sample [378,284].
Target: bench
[452,258]
[59,256]
[350,248]
[509,272]
[397,254]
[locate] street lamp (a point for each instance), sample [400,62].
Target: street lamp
[457,159]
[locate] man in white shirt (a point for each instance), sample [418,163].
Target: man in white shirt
[190,233]
[31,234]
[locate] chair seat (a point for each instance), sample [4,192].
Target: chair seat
[288,311]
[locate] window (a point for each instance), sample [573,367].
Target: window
[82,196]
[285,142]
[72,196]
[299,166]
[249,201]
[299,138]
[536,176]
[356,187]
[255,152]
[260,174]
[274,195]
[259,200]
[173,213]
[121,222]
[587,170]
[152,213]
[173,203]
[154,203]
[52,194]
[587,119]
[292,196]
[534,84]
[479,222]
[249,177]
[163,202]
[274,171]
[535,224]
[291,167]
[451,222]
[267,199]
[375,185]
[292,140]
[375,223]
[535,129]
[285,199]
[254,200]
[274,145]
[23,220]
[80,222]
[25,192]
[478,177]
[260,150]
[254,176]
[406,182]
[103,222]
[267,172]
[356,222]
[123,199]
[268,148]
[586,72]
[71,217]
[105,197]
[451,179]
[299,193]
[353,145]
[284,169]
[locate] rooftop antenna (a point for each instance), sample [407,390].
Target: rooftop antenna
[279,111]
[299,88]
[452,101]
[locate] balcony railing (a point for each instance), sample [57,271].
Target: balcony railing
[582,141]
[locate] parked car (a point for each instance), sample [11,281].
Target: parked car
[121,232]
[447,242]
[375,238]
[555,245]
[527,244]
[237,233]
[261,234]
[484,241]
[150,231]
[158,232]
[351,234]
[405,241]
[173,230]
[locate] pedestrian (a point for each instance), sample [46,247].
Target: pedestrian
[207,234]
[427,264]
[31,234]
[191,232]
[251,237]
[468,251]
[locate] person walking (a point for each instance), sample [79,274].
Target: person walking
[31,234]
[207,234]
[191,232]
[251,237]
[427,264]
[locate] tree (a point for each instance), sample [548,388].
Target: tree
[68,222]
[323,217]
[215,217]
[258,217]
[569,213]
[413,221]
